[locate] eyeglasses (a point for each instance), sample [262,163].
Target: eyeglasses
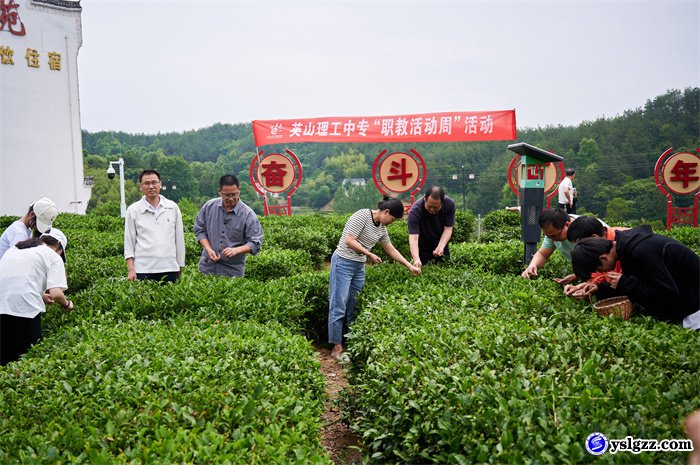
[555,236]
[150,183]
[230,196]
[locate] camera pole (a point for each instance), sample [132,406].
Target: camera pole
[110,174]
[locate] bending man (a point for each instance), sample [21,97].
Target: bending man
[659,273]
[430,224]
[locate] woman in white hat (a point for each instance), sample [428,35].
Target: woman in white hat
[28,271]
[38,218]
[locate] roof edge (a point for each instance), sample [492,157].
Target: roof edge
[60,4]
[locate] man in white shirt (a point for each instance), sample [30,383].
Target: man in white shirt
[39,218]
[566,191]
[154,238]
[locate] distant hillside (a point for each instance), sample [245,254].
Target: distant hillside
[614,157]
[206,144]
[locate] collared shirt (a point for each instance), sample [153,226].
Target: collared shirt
[157,209]
[565,246]
[154,237]
[224,229]
[16,232]
[25,274]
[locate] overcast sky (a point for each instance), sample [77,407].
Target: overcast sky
[171,65]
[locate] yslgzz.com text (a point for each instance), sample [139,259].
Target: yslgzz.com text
[636,446]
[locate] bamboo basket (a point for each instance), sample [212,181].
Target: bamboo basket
[620,307]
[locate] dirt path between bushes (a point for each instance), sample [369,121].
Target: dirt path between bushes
[336,436]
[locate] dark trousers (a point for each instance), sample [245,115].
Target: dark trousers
[426,255]
[167,277]
[17,335]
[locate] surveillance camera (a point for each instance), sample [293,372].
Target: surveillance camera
[111,172]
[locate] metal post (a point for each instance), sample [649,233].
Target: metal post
[464,198]
[478,228]
[110,173]
[122,205]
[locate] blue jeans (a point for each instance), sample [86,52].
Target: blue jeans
[346,281]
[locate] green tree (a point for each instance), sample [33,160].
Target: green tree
[349,199]
[178,182]
[347,165]
[618,210]
[645,200]
[316,191]
[588,151]
[234,163]
[207,176]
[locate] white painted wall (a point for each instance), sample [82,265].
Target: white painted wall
[40,137]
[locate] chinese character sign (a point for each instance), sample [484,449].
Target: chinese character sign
[553,174]
[10,22]
[432,127]
[32,56]
[275,173]
[399,172]
[679,173]
[9,18]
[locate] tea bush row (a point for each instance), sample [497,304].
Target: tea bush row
[500,225]
[463,367]
[180,391]
[193,295]
[505,257]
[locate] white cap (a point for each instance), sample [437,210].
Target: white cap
[45,212]
[58,234]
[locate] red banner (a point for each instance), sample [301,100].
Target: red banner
[466,126]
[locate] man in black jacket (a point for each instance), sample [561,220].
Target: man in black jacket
[659,273]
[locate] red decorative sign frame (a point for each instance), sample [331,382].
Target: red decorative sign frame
[396,163]
[666,172]
[283,184]
[550,191]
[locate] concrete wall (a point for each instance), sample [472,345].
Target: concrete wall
[40,137]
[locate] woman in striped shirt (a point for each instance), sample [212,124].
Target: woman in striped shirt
[362,231]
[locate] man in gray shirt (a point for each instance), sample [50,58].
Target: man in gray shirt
[228,229]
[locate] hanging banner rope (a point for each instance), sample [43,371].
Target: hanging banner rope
[465,126]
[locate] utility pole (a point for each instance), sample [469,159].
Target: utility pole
[464,197]
[464,183]
[110,175]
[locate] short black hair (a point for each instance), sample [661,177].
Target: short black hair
[585,258]
[554,216]
[436,192]
[584,226]
[570,171]
[394,206]
[145,172]
[228,180]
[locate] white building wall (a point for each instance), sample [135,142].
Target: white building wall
[40,136]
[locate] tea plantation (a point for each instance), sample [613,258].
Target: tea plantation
[468,363]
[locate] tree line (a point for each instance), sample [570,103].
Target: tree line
[614,159]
